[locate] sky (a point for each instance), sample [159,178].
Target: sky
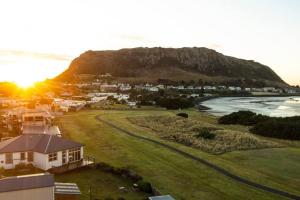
[39,38]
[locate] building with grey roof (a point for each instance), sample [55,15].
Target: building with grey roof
[42,150]
[37,187]
[33,187]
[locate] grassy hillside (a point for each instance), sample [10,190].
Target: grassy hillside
[175,174]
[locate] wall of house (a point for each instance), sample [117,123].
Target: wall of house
[16,160]
[39,160]
[55,163]
[46,193]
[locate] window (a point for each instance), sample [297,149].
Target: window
[28,119]
[52,157]
[39,118]
[8,158]
[22,156]
[64,157]
[30,156]
[74,155]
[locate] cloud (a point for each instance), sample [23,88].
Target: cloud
[214,46]
[47,56]
[133,37]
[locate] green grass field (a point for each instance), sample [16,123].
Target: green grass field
[103,185]
[174,174]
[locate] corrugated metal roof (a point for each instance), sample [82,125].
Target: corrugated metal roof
[41,143]
[31,129]
[26,182]
[165,197]
[67,188]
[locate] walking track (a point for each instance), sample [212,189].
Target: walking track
[204,162]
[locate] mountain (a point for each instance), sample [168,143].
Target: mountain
[174,64]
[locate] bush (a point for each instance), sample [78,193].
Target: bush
[1,171]
[206,134]
[247,118]
[276,127]
[282,128]
[145,186]
[185,115]
[127,173]
[175,103]
[21,166]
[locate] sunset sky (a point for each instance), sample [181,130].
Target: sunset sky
[39,38]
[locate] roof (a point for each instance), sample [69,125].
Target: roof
[26,182]
[165,197]
[67,188]
[31,129]
[41,143]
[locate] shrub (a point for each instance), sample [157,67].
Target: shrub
[20,166]
[145,186]
[276,127]
[1,171]
[185,115]
[282,128]
[206,134]
[175,103]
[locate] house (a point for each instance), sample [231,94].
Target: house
[14,119]
[153,89]
[33,187]
[269,89]
[37,187]
[42,151]
[165,197]
[125,87]
[207,87]
[161,87]
[109,87]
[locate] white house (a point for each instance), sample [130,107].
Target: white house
[153,89]
[125,87]
[41,150]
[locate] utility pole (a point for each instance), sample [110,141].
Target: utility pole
[90,192]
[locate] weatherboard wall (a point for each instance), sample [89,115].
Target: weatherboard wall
[45,193]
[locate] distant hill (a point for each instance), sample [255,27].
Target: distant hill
[188,64]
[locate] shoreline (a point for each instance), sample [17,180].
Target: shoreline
[210,110]
[202,99]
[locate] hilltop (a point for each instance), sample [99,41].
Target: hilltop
[171,64]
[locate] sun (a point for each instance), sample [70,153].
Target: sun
[25,83]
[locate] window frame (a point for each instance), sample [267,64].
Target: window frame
[74,155]
[52,157]
[9,160]
[30,157]
[22,156]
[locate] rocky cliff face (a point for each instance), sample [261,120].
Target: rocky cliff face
[170,63]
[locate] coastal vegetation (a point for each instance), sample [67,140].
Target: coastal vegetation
[277,127]
[202,135]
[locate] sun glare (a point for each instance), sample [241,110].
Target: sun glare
[25,83]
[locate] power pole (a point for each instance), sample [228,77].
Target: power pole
[90,193]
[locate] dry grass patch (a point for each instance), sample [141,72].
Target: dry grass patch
[201,135]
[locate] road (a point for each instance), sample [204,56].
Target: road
[204,162]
